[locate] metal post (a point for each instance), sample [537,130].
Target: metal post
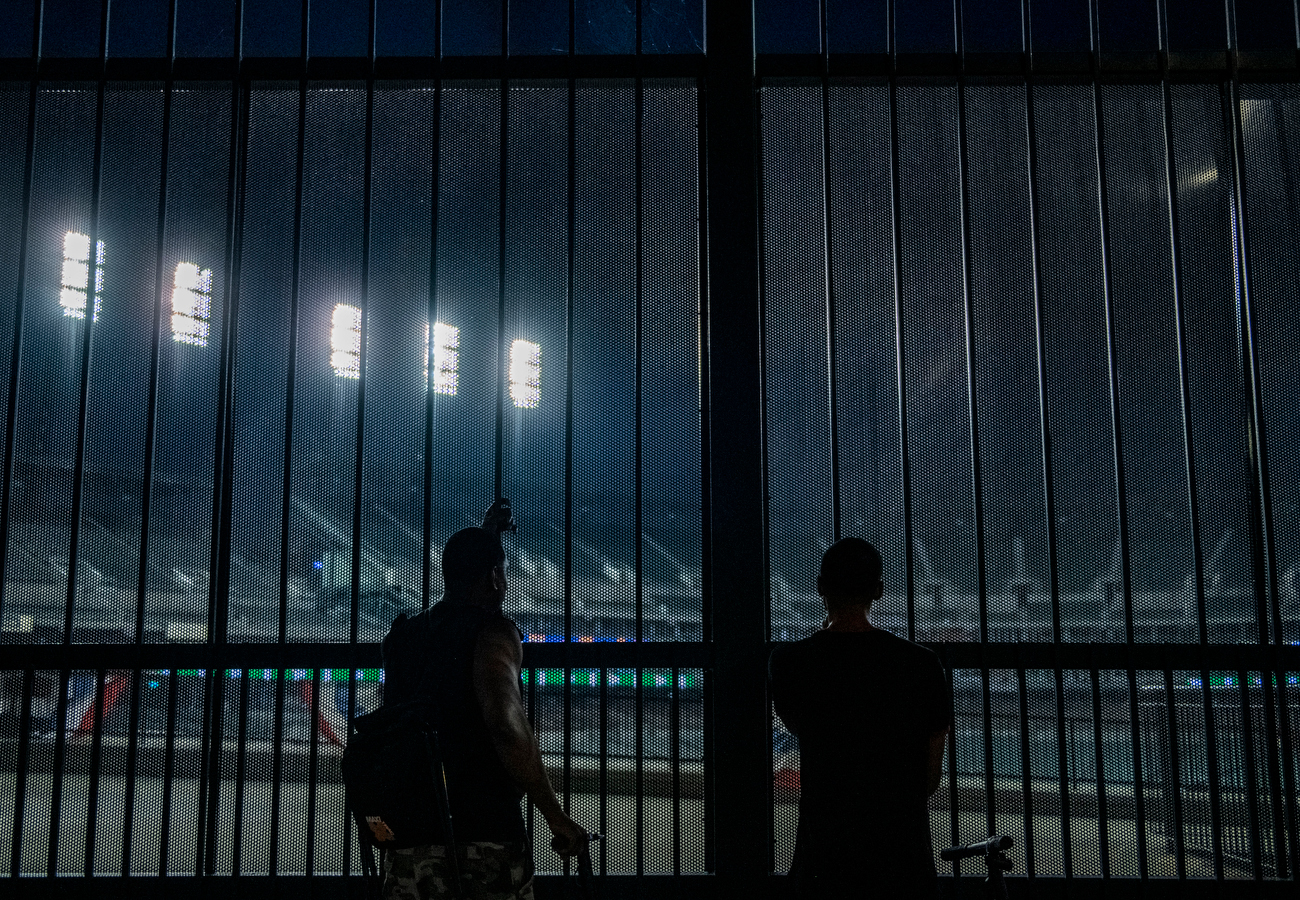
[96,760]
[313,770]
[20,774]
[1263,549]
[241,758]
[1040,337]
[968,307]
[741,725]
[503,172]
[427,535]
[1026,773]
[1112,336]
[828,260]
[358,483]
[169,769]
[277,771]
[1254,821]
[909,581]
[20,298]
[60,752]
[1099,761]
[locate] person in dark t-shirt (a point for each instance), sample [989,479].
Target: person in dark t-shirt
[872,712]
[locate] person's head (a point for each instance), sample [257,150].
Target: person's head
[473,567]
[850,575]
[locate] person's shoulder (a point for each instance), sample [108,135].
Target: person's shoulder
[908,651]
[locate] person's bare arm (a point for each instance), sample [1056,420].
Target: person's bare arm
[934,761]
[498,658]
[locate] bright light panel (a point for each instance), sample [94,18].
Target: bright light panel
[191,304]
[525,374]
[76,270]
[345,341]
[446,357]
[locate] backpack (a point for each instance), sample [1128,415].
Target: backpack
[396,786]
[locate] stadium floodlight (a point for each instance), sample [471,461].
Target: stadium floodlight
[191,304]
[345,341]
[76,271]
[446,358]
[525,374]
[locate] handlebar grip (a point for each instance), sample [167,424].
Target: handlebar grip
[991,844]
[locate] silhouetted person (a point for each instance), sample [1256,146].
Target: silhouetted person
[872,712]
[464,656]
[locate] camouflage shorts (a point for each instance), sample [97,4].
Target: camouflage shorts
[489,871]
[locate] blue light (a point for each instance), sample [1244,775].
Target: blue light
[318,565]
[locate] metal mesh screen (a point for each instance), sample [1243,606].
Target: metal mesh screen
[279,409]
[1270,121]
[1071,282]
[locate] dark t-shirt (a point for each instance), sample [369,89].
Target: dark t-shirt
[864,705]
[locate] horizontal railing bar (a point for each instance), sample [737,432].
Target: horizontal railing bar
[415,67]
[666,654]
[332,656]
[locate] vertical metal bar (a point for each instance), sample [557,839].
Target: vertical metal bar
[761,279]
[1288,779]
[313,770]
[151,423]
[571,202]
[675,761]
[434,190]
[1263,550]
[1212,776]
[241,758]
[169,770]
[990,789]
[353,677]
[1063,779]
[1174,780]
[210,771]
[706,766]
[96,759]
[638,714]
[277,770]
[295,283]
[954,815]
[571,188]
[1099,761]
[1139,789]
[702,345]
[1254,823]
[639,343]
[20,774]
[224,459]
[828,260]
[56,793]
[909,586]
[1040,337]
[1112,348]
[1026,774]
[151,404]
[604,768]
[1184,377]
[358,483]
[503,173]
[92,283]
[132,756]
[968,307]
[532,724]
[20,302]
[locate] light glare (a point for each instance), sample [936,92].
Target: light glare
[525,374]
[446,358]
[345,341]
[191,304]
[76,272]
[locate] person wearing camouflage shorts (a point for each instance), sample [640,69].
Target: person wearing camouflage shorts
[489,871]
